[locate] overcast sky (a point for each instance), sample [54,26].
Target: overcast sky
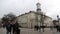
[50,7]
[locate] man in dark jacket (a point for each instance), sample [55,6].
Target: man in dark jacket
[57,27]
[8,27]
[16,28]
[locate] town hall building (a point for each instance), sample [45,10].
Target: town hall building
[33,18]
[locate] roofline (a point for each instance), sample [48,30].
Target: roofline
[27,13]
[32,12]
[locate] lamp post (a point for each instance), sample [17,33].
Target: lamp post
[57,24]
[58,18]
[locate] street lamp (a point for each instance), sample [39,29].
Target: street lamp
[57,26]
[58,18]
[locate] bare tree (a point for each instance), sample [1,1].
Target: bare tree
[7,17]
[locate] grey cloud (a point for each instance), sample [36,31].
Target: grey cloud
[50,7]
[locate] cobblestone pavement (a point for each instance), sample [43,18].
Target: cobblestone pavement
[31,31]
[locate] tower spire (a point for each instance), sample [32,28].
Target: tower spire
[38,7]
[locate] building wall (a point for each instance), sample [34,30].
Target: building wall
[39,20]
[23,20]
[48,21]
[59,22]
[29,20]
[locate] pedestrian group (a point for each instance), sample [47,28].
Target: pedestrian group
[12,27]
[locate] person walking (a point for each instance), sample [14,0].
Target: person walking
[36,27]
[57,27]
[8,27]
[16,29]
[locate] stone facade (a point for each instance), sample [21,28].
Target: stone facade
[56,22]
[29,20]
[48,21]
[33,18]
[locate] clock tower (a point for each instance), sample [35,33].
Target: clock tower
[38,8]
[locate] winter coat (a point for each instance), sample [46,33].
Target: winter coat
[8,27]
